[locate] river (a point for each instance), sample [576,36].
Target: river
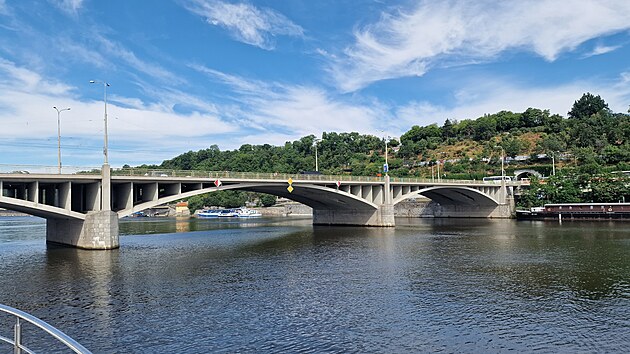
[283,285]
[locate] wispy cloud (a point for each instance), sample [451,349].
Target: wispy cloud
[602,49]
[444,33]
[3,7]
[273,108]
[70,7]
[245,22]
[22,79]
[27,100]
[154,70]
[494,95]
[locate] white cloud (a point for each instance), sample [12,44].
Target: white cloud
[443,33]
[246,23]
[274,107]
[134,127]
[115,49]
[602,49]
[497,95]
[70,7]
[27,80]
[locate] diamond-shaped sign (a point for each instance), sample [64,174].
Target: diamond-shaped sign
[217,183]
[290,181]
[338,184]
[290,189]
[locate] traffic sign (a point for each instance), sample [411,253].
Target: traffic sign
[385,168]
[218,183]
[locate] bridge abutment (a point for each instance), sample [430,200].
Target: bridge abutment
[381,217]
[99,231]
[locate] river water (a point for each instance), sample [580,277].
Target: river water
[283,285]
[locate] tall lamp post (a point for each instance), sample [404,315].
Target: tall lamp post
[106,172]
[502,173]
[316,164]
[386,167]
[105,85]
[59,136]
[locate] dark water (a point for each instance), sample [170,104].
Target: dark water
[282,285]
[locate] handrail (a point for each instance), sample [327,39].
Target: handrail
[148,172]
[59,335]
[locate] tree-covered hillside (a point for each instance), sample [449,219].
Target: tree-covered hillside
[591,135]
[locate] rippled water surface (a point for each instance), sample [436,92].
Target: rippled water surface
[282,285]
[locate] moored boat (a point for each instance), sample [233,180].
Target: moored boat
[247,213]
[209,213]
[592,211]
[229,213]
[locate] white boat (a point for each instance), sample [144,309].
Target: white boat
[229,213]
[212,213]
[247,213]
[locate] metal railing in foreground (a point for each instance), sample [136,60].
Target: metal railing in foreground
[16,342]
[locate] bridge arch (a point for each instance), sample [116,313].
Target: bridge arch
[40,210]
[314,196]
[452,195]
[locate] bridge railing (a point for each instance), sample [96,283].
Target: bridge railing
[240,175]
[42,169]
[26,169]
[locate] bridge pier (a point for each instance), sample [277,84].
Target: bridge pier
[99,231]
[381,217]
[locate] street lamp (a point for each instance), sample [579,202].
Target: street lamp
[59,136]
[315,143]
[105,85]
[386,167]
[502,172]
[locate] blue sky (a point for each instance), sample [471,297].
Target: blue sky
[188,74]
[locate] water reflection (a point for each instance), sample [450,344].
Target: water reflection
[283,285]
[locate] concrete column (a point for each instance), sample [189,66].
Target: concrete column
[99,231]
[106,188]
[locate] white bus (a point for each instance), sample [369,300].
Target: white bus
[497,179]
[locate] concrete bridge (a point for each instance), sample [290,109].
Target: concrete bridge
[83,209]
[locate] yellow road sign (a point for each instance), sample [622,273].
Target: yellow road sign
[290,189]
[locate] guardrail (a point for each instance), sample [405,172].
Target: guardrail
[16,342]
[238,175]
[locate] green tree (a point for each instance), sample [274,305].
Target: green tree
[586,106]
[609,188]
[267,200]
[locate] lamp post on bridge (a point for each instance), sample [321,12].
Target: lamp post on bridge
[386,166]
[59,136]
[315,143]
[502,173]
[105,85]
[106,173]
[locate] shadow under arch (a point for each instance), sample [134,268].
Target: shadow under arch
[314,196]
[452,195]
